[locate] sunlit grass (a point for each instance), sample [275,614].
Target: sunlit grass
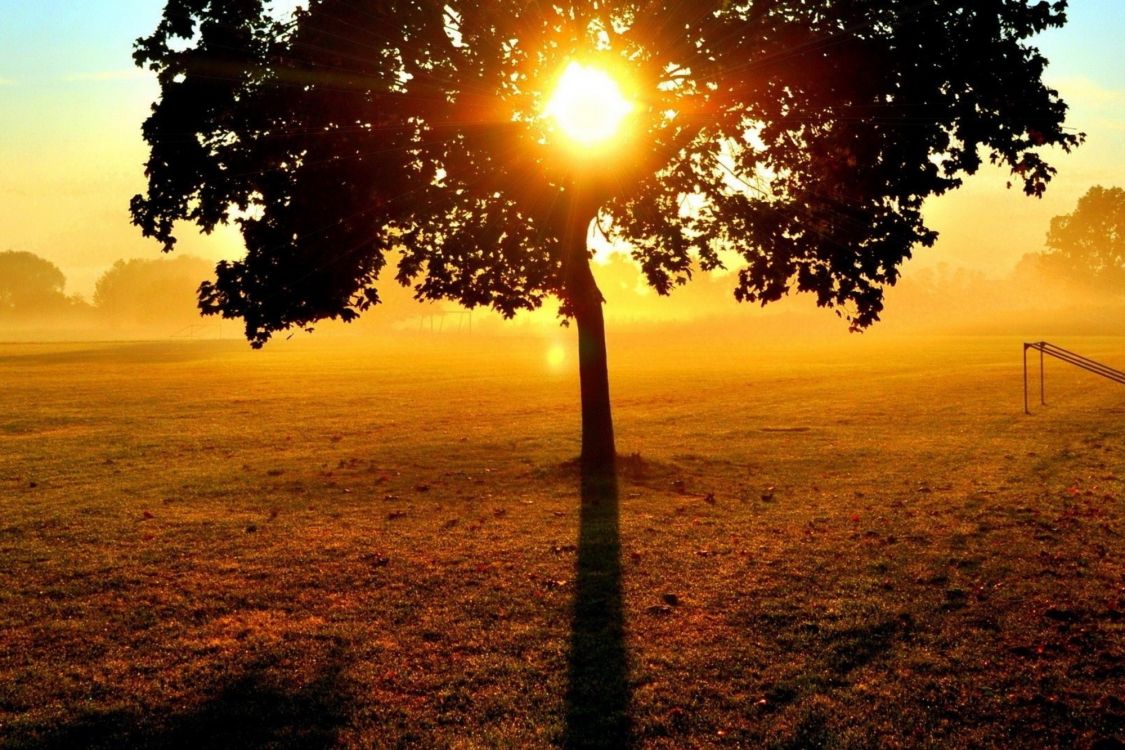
[867,545]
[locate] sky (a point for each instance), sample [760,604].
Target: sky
[71,153]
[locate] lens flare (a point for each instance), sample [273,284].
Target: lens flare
[556,356]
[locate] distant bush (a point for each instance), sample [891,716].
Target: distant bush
[152,293]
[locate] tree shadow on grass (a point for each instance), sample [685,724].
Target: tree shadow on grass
[255,711]
[597,700]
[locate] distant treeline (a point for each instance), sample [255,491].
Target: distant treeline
[149,296]
[132,293]
[1077,285]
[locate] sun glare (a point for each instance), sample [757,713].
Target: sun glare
[588,105]
[556,356]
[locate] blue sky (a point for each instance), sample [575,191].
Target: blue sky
[41,42]
[1090,44]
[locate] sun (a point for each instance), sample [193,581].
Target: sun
[588,105]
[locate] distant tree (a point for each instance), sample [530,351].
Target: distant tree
[30,285]
[807,135]
[147,292]
[1089,244]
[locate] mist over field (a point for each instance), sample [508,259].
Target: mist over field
[156,299]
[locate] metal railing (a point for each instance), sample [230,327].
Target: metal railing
[1050,350]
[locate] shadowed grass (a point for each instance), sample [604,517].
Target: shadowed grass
[597,701]
[254,711]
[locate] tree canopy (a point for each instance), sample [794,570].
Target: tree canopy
[803,137]
[1088,244]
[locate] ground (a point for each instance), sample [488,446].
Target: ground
[850,545]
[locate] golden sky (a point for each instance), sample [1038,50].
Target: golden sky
[71,154]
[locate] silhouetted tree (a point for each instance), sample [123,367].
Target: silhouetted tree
[30,285]
[807,135]
[151,292]
[1088,244]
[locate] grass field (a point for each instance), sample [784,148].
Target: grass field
[862,544]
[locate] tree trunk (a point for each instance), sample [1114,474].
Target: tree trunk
[598,450]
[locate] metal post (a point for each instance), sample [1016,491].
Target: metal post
[1025,409]
[1042,392]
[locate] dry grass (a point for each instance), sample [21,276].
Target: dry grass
[858,545]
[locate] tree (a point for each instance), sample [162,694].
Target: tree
[1088,244]
[30,285]
[803,136]
[151,292]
